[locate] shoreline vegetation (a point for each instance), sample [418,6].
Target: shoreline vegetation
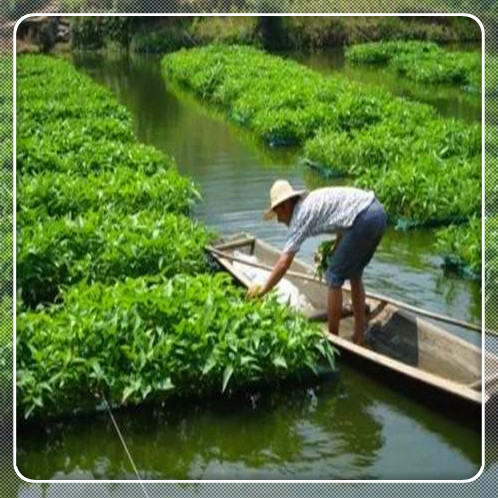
[425,169]
[153,35]
[115,294]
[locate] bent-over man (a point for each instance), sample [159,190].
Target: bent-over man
[358,220]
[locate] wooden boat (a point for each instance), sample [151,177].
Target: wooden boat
[409,352]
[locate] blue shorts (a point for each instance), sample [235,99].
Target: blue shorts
[357,245]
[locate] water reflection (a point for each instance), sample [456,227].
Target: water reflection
[333,431]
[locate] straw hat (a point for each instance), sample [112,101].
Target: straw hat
[280,191]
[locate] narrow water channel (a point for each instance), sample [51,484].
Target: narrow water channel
[355,428]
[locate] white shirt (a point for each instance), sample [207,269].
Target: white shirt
[325,210]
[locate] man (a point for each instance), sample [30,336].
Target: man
[358,220]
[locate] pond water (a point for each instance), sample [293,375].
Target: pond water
[355,428]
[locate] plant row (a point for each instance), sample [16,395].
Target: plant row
[281,101]
[148,338]
[91,199]
[125,190]
[107,301]
[426,170]
[105,246]
[421,61]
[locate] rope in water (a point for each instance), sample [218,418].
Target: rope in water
[108,408]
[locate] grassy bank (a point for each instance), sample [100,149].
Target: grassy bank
[286,32]
[115,297]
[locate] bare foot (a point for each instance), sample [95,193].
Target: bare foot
[358,339]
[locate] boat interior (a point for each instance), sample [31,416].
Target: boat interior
[392,331]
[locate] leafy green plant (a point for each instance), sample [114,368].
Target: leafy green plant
[382,53]
[105,246]
[249,85]
[35,155]
[426,190]
[93,203]
[461,248]
[150,338]
[126,190]
[97,210]
[322,257]
[452,68]
[421,61]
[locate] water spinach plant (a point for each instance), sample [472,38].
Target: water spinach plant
[149,338]
[425,169]
[461,247]
[422,61]
[114,296]
[105,246]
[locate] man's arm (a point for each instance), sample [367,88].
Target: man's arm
[279,270]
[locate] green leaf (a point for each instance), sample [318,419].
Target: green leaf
[208,366]
[128,390]
[166,385]
[279,361]
[227,374]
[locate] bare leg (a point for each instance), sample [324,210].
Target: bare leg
[334,310]
[358,300]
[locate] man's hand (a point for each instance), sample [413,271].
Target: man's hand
[281,266]
[254,291]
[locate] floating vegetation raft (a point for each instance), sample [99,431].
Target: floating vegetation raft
[93,204]
[105,246]
[426,170]
[282,102]
[149,338]
[382,53]
[422,61]
[461,247]
[107,298]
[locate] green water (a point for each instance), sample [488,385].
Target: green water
[356,428]
[353,429]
